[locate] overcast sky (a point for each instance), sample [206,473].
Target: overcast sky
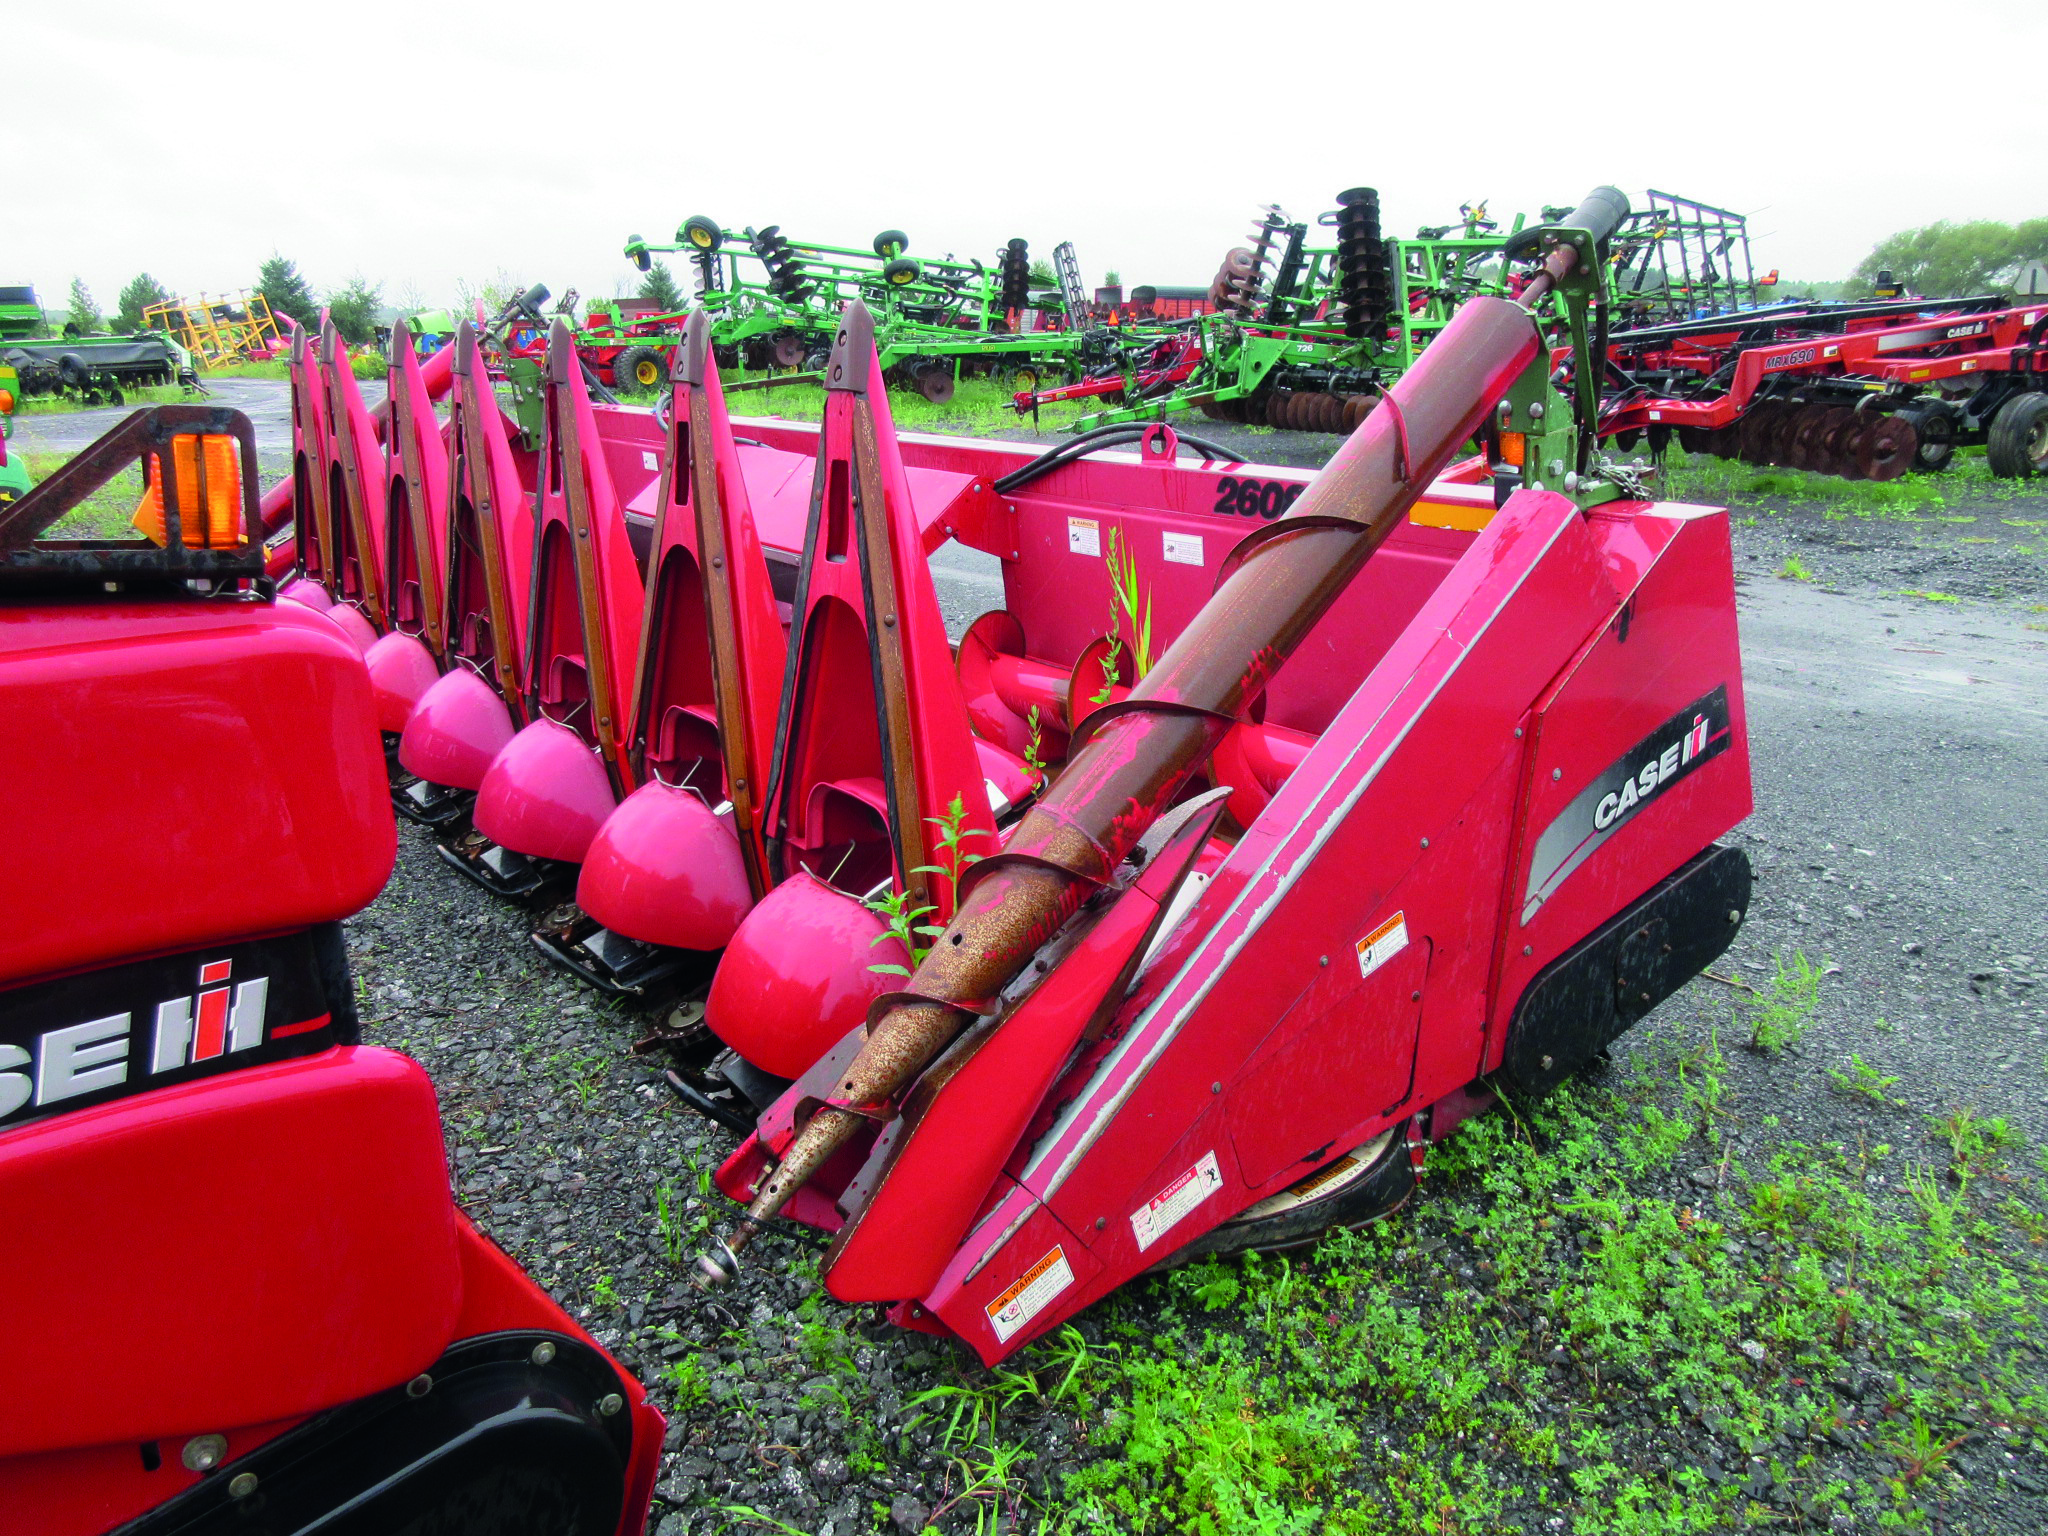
[425,144]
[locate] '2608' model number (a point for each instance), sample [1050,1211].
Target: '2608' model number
[1255,498]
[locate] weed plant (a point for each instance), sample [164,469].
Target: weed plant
[1604,1317]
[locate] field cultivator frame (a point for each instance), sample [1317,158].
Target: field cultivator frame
[1302,336]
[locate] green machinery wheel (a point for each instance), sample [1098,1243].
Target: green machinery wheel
[638,368]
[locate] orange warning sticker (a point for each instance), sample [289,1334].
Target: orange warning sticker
[1028,1294]
[1382,944]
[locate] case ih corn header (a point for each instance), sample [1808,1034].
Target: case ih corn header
[257,1306]
[1091,945]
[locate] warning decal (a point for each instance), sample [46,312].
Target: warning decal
[1084,537]
[1382,944]
[1029,1292]
[1158,1216]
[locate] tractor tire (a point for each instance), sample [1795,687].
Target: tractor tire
[1024,377]
[2017,448]
[891,243]
[638,368]
[702,234]
[817,360]
[72,372]
[901,272]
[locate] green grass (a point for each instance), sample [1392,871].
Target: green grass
[104,514]
[65,405]
[278,369]
[979,407]
[1537,1330]
[1711,481]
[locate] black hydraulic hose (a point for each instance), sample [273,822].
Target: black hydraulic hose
[1102,437]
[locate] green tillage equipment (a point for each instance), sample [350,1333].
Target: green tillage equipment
[99,367]
[21,315]
[13,473]
[932,318]
[1253,367]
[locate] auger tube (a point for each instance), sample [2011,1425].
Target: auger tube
[1129,759]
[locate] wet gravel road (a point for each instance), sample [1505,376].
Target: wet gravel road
[1900,747]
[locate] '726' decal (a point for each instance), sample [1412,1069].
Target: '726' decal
[1255,498]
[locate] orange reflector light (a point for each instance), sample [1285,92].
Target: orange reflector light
[6,399]
[210,515]
[1514,447]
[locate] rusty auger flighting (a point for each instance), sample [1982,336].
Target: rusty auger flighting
[1142,1031]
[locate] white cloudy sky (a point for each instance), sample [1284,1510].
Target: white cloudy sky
[423,144]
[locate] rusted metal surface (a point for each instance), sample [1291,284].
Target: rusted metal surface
[361,545]
[143,434]
[565,372]
[1132,759]
[309,482]
[470,485]
[691,469]
[853,348]
[408,458]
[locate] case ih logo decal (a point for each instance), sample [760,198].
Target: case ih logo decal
[85,1039]
[1694,735]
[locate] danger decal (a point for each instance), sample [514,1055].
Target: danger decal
[1163,1212]
[1694,736]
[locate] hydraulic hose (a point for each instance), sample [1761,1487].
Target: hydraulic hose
[1102,437]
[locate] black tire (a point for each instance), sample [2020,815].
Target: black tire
[1937,437]
[71,370]
[700,233]
[638,368]
[901,271]
[891,243]
[2017,448]
[817,360]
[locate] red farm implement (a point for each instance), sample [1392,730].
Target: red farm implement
[1272,825]
[1866,392]
[258,1308]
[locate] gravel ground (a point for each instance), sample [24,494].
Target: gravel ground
[1898,704]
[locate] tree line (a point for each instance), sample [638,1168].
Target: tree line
[353,306]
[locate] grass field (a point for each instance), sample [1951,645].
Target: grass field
[1604,1315]
[1912,498]
[105,514]
[65,405]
